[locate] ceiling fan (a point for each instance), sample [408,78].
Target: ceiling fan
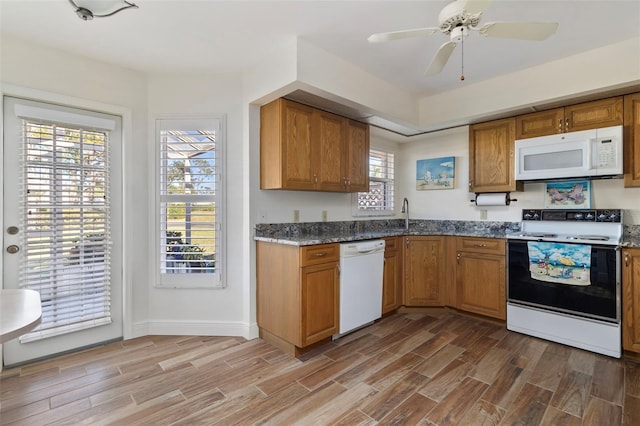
[460,17]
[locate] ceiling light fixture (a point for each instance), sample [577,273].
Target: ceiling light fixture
[89,9]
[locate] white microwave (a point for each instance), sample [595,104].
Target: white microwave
[588,153]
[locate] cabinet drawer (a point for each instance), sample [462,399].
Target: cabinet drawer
[390,244]
[321,253]
[481,245]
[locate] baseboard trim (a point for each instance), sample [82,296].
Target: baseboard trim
[192,328]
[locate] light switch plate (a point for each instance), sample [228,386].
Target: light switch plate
[483,215]
[296,216]
[324,215]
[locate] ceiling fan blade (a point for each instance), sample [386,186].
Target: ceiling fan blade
[520,30]
[394,35]
[475,6]
[440,59]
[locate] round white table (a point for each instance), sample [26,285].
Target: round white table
[20,312]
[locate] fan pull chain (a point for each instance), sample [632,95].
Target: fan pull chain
[462,61]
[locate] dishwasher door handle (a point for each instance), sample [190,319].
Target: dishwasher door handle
[368,251]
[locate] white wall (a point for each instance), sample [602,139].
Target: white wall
[202,311]
[454,203]
[36,67]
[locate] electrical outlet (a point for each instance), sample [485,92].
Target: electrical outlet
[296,216]
[483,215]
[324,215]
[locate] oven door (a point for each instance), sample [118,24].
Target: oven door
[599,299]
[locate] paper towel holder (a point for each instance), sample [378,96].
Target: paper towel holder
[507,199]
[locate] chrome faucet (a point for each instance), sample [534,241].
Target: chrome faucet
[405,209]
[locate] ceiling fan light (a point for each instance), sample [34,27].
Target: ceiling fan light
[458,33]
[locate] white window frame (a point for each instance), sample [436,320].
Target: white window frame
[206,280]
[388,212]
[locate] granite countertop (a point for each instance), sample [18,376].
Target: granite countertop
[304,234]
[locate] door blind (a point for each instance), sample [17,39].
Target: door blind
[66,239]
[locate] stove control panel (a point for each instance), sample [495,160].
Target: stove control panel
[610,215]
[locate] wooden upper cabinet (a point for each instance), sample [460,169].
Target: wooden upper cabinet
[632,140]
[588,115]
[286,160]
[330,146]
[308,149]
[357,157]
[540,123]
[491,156]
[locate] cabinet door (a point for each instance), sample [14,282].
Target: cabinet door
[592,115]
[298,166]
[481,280]
[320,307]
[392,279]
[491,156]
[632,140]
[424,271]
[541,123]
[357,158]
[330,152]
[631,300]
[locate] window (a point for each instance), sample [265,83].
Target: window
[379,201]
[189,207]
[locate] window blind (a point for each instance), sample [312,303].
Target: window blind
[188,194]
[66,239]
[381,183]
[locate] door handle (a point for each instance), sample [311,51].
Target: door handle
[13,249]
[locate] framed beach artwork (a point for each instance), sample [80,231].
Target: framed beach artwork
[568,195]
[435,173]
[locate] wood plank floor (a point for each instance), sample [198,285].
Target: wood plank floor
[409,368]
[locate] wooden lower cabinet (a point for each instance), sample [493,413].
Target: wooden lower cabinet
[298,293]
[392,275]
[481,276]
[631,299]
[424,271]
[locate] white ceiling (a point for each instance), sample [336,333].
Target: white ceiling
[231,36]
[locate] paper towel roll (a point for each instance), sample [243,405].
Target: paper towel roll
[499,199]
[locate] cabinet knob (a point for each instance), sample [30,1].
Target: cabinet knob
[480,245]
[626,259]
[560,126]
[321,254]
[458,257]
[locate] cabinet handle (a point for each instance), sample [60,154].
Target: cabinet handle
[407,242]
[626,259]
[479,245]
[560,125]
[320,254]
[458,258]
[315,178]
[566,124]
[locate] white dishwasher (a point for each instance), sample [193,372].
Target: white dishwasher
[361,265]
